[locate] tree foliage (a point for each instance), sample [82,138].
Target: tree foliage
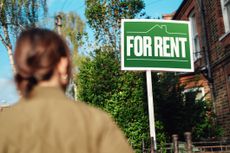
[16,15]
[121,94]
[104,17]
[73,28]
[181,111]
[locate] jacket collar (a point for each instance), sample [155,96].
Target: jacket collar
[47,92]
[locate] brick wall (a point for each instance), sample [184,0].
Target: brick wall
[219,51]
[215,28]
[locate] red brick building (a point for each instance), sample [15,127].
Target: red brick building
[210,21]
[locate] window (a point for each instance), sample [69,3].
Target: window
[195,38]
[225,4]
[196,93]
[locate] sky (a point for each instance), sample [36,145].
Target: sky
[8,93]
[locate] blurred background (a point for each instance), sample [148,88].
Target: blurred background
[198,102]
[76,8]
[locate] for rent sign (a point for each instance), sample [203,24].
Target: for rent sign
[160,45]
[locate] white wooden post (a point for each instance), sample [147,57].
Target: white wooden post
[151,110]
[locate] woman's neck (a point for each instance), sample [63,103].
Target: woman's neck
[53,82]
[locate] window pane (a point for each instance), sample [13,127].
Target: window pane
[196,44]
[228,12]
[197,47]
[199,95]
[196,93]
[226,1]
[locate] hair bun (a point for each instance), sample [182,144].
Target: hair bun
[37,54]
[25,83]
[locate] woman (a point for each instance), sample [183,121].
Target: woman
[45,120]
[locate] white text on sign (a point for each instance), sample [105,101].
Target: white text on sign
[158,46]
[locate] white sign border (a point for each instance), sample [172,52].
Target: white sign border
[155,68]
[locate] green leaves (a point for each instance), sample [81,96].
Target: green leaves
[15,16]
[104,17]
[73,29]
[121,94]
[18,15]
[181,112]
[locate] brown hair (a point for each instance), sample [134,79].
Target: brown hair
[37,53]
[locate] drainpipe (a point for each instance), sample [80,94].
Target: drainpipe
[206,50]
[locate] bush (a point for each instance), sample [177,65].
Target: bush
[122,94]
[181,112]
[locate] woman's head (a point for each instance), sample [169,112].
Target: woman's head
[41,56]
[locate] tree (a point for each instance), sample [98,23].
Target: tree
[100,81]
[181,111]
[121,94]
[15,16]
[104,17]
[73,29]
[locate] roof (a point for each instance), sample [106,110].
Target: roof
[179,9]
[168,16]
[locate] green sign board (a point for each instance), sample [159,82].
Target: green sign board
[160,45]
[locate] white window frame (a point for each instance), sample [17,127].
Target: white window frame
[194,90]
[226,14]
[195,38]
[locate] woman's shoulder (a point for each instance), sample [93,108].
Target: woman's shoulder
[89,111]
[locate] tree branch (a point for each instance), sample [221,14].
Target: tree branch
[2,40]
[7,38]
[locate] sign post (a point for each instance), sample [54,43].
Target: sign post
[155,45]
[151,111]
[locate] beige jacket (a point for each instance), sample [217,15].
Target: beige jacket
[48,122]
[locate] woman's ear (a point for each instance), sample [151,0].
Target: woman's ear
[62,66]
[62,70]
